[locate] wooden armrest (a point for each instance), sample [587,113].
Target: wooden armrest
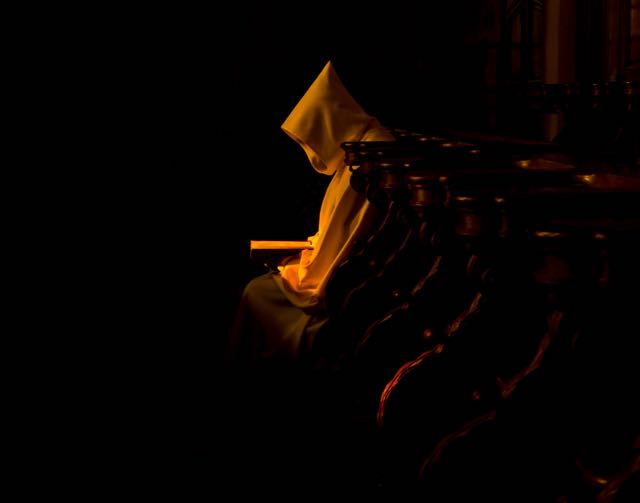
[268,251]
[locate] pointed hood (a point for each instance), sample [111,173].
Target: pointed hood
[326,116]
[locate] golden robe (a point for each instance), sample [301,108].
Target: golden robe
[277,309]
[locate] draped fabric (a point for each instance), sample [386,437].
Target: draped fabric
[276,309]
[326,116]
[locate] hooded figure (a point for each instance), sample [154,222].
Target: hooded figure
[277,310]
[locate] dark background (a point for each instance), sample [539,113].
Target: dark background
[186,162]
[191,164]
[164,156]
[214,89]
[169,157]
[178,115]
[221,86]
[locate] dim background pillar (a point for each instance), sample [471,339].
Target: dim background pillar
[559,54]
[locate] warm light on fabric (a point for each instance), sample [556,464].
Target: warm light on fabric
[326,116]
